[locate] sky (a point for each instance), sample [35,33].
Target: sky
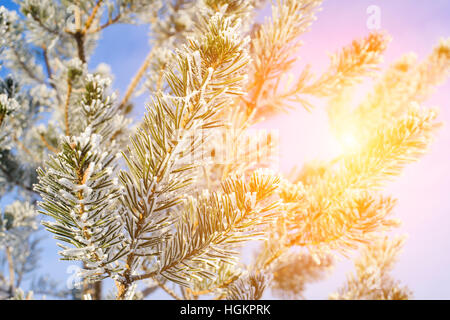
[423,188]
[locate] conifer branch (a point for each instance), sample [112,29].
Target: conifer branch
[194,100]
[372,280]
[379,160]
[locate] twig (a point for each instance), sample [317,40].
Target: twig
[16,182]
[43,26]
[77,18]
[220,286]
[92,16]
[220,297]
[79,39]
[25,149]
[47,144]
[148,290]
[26,68]
[78,35]
[47,66]
[167,289]
[159,83]
[185,293]
[66,106]
[136,79]
[106,24]
[11,271]
[50,73]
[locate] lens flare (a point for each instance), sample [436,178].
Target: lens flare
[349,142]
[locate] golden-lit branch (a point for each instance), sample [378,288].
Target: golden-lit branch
[371,280]
[404,82]
[272,67]
[331,202]
[297,269]
[275,45]
[360,58]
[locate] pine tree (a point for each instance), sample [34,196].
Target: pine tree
[170,201]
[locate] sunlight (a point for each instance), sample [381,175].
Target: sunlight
[349,142]
[344,143]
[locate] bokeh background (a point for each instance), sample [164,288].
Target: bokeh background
[423,190]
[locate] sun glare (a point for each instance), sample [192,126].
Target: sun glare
[343,144]
[348,142]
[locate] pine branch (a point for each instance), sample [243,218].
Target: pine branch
[153,219]
[275,45]
[226,275]
[404,82]
[78,189]
[31,11]
[295,270]
[248,287]
[77,193]
[372,280]
[213,224]
[347,67]
[207,76]
[361,58]
[365,170]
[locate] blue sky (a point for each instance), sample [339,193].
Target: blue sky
[423,189]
